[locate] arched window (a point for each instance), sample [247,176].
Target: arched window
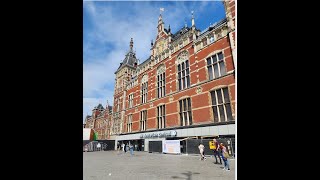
[144,89]
[161,76]
[183,70]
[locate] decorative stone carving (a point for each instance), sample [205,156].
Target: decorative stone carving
[199,89]
[183,56]
[161,69]
[144,79]
[171,98]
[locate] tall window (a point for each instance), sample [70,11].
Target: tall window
[215,65]
[161,116]
[144,89]
[130,100]
[221,105]
[143,120]
[129,123]
[185,112]
[183,75]
[161,87]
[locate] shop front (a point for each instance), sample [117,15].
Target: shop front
[189,138]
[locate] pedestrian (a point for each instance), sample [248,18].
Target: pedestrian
[131,149]
[216,151]
[225,156]
[125,148]
[201,149]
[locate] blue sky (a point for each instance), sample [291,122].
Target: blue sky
[108,27]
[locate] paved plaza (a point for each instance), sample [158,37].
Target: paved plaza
[104,165]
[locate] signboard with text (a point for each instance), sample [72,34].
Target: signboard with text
[171,146]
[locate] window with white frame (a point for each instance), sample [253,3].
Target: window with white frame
[129,123]
[161,116]
[221,105]
[144,89]
[130,100]
[216,66]
[143,120]
[185,112]
[161,82]
[183,75]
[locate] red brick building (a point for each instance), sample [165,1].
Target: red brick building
[186,88]
[100,121]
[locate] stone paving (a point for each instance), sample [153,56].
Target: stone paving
[104,165]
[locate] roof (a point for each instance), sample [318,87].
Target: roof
[129,60]
[147,60]
[214,26]
[98,107]
[178,34]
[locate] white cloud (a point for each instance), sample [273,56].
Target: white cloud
[111,26]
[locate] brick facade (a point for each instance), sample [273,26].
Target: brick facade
[167,52]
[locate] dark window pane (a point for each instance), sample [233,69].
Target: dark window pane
[215,114]
[216,71]
[208,61]
[181,119]
[183,85]
[163,110]
[221,111]
[214,59]
[180,105]
[187,63]
[226,95]
[183,73]
[187,71]
[164,122]
[182,66]
[229,112]
[210,72]
[180,84]
[222,68]
[220,55]
[184,105]
[188,81]
[179,75]
[213,98]
[219,96]
[179,68]
[190,118]
[189,104]
[185,118]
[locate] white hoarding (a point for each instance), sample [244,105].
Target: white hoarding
[171,146]
[86,133]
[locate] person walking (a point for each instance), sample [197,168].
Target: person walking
[125,148]
[216,151]
[201,149]
[131,149]
[225,156]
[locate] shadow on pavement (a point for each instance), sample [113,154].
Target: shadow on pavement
[188,174]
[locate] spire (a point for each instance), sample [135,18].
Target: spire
[131,44]
[160,21]
[192,19]
[169,28]
[107,107]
